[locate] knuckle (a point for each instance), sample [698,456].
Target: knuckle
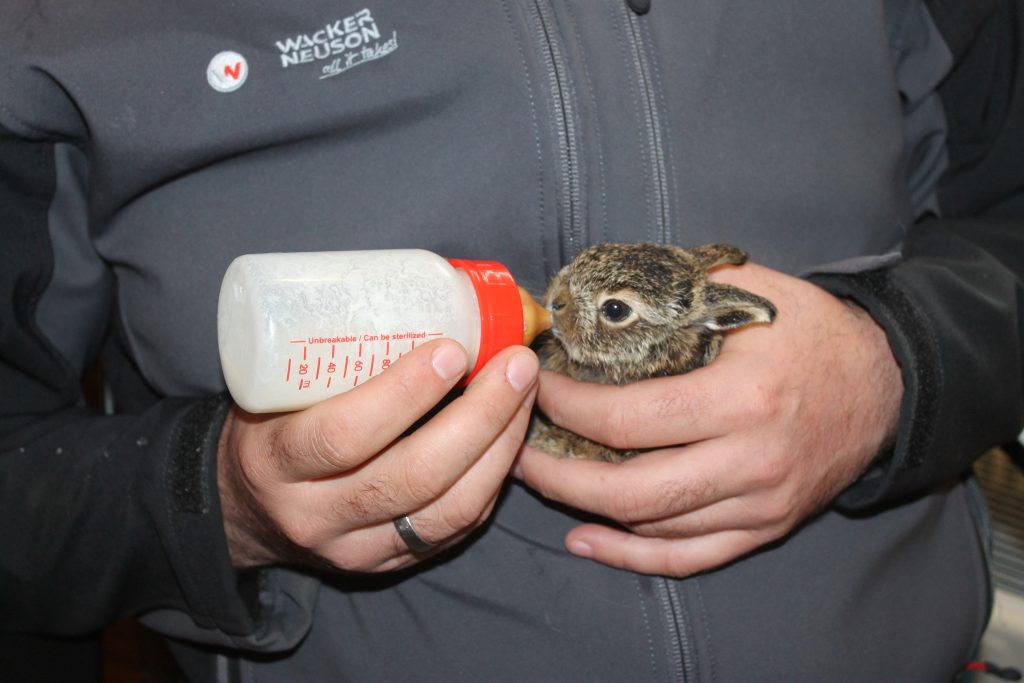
[368,498]
[768,472]
[421,476]
[673,403]
[671,497]
[257,456]
[332,439]
[777,511]
[456,517]
[616,426]
[411,390]
[256,470]
[629,505]
[789,510]
[689,494]
[759,537]
[353,557]
[301,531]
[693,524]
[760,403]
[660,500]
[494,414]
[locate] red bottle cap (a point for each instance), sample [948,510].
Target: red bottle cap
[501,309]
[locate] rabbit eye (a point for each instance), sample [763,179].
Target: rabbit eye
[615,311]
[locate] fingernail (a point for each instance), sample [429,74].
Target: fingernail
[580,549]
[449,362]
[521,370]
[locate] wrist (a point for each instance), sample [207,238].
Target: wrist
[253,538]
[884,375]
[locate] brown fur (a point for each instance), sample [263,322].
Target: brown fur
[676,320]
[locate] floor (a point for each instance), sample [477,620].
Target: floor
[1004,641]
[1003,484]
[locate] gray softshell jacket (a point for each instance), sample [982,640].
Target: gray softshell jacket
[143,146]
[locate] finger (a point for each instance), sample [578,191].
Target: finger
[379,548]
[345,430]
[658,412]
[457,513]
[421,467]
[652,486]
[762,511]
[661,556]
[467,503]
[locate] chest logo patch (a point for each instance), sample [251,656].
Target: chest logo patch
[227,71]
[338,46]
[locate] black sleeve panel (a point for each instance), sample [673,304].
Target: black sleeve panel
[954,306]
[954,314]
[984,102]
[99,516]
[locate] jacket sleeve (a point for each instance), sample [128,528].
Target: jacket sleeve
[953,304]
[103,516]
[100,516]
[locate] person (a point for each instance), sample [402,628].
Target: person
[804,511]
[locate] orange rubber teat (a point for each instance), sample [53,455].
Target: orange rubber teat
[536,318]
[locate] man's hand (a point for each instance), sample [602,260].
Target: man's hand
[322,486]
[746,448]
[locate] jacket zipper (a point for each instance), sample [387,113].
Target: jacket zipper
[570,201]
[571,217]
[652,126]
[680,658]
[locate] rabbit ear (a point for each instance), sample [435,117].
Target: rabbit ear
[711,255]
[726,307]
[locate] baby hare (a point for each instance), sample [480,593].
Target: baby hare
[626,312]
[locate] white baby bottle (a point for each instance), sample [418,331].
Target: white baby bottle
[296,328]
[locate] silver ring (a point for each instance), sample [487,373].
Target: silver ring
[412,539]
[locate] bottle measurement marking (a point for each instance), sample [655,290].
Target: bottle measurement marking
[382,349]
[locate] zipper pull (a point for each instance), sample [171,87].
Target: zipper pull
[639,6]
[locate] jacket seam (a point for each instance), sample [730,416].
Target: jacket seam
[536,132]
[650,121]
[23,123]
[559,84]
[637,116]
[647,627]
[9,116]
[671,182]
[42,238]
[595,125]
[709,650]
